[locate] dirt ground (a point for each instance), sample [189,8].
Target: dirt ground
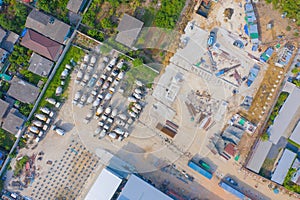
[266,14]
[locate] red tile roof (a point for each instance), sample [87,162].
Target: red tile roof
[230,149]
[41,45]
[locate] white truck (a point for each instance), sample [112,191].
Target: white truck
[53,102]
[58,130]
[39,124]
[64,74]
[43,118]
[86,58]
[36,130]
[82,100]
[47,111]
[58,91]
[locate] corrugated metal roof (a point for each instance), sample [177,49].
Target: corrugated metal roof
[285,116]
[258,156]
[138,189]
[296,134]
[105,186]
[283,166]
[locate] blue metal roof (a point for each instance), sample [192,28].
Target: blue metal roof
[200,170]
[232,190]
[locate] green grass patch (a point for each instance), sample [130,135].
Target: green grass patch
[31,77]
[20,164]
[7,140]
[74,53]
[294,143]
[288,184]
[148,17]
[141,73]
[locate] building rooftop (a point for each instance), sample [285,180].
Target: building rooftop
[41,45]
[296,134]
[9,41]
[233,134]
[13,121]
[3,107]
[23,91]
[3,55]
[40,65]
[47,25]
[285,116]
[283,166]
[129,29]
[105,186]
[75,5]
[2,34]
[138,189]
[259,155]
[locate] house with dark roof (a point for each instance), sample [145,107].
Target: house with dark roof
[13,121]
[48,26]
[2,34]
[3,55]
[23,91]
[129,29]
[3,108]
[41,45]
[76,6]
[40,65]
[9,41]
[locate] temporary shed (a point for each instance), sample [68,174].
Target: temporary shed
[105,186]
[138,189]
[283,166]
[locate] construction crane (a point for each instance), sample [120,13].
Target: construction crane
[225,70]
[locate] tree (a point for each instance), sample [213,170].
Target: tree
[137,62]
[264,137]
[106,23]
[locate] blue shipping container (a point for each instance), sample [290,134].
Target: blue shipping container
[199,169]
[233,191]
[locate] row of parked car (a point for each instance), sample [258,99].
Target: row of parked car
[42,121]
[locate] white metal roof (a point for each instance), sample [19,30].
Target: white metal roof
[296,134]
[259,155]
[104,187]
[283,166]
[138,189]
[285,116]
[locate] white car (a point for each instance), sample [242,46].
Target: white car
[102,133]
[96,103]
[137,96]
[98,130]
[132,114]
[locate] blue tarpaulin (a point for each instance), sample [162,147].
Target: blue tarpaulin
[246,29]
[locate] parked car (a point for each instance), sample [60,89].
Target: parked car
[238,44]
[211,39]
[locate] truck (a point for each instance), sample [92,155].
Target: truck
[79,76]
[113,135]
[58,130]
[88,117]
[198,168]
[36,130]
[107,110]
[47,111]
[107,96]
[39,124]
[53,102]
[43,118]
